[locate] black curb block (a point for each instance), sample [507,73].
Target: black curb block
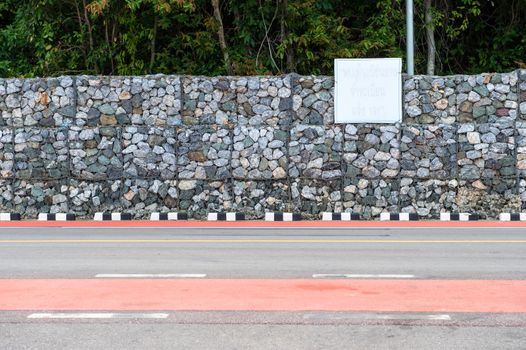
[283,216]
[57,217]
[226,217]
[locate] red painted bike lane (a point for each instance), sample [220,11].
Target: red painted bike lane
[487,296]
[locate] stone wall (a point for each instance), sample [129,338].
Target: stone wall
[253,144]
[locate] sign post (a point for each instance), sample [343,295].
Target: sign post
[368,90]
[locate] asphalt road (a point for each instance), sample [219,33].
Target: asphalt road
[268,253]
[260,336]
[437,254]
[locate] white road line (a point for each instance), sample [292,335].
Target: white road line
[98,315]
[347,275]
[439,317]
[150,275]
[415,317]
[371,316]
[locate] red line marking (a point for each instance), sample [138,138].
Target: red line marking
[265,295]
[269,224]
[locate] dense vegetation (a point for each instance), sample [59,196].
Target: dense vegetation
[244,37]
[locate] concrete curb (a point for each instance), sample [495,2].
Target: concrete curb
[226,217]
[399,217]
[340,216]
[283,217]
[112,216]
[458,217]
[56,217]
[10,217]
[168,216]
[512,217]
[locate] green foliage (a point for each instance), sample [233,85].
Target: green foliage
[383,32]
[317,36]
[134,37]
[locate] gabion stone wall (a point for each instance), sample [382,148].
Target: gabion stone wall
[161,143]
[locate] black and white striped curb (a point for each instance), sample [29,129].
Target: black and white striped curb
[168,216]
[10,217]
[112,216]
[226,216]
[56,217]
[398,217]
[512,217]
[458,217]
[282,217]
[340,216]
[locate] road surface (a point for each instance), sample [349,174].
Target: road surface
[262,288]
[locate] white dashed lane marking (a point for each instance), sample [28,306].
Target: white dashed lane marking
[150,275]
[97,315]
[350,275]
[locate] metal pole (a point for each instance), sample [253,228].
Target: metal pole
[410,37]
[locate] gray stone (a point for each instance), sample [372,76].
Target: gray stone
[489,138]
[106,109]
[309,100]
[279,173]
[370,172]
[316,163]
[372,139]
[261,109]
[422,172]
[473,96]
[169,158]
[479,111]
[413,111]
[464,128]
[482,90]
[503,89]
[86,134]
[464,87]
[389,173]
[12,101]
[275,144]
[469,172]
[66,82]
[69,111]
[285,104]
[187,185]
[382,156]
[473,137]
[473,154]
[59,198]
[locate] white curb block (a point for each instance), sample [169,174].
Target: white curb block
[226,217]
[458,217]
[283,217]
[340,216]
[398,217]
[168,216]
[112,216]
[512,217]
[10,217]
[56,217]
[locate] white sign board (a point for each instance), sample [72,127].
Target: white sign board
[368,90]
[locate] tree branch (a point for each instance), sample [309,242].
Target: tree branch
[108,42]
[266,38]
[430,37]
[90,33]
[83,48]
[154,37]
[221,35]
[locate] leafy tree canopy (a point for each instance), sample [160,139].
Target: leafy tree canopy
[135,37]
